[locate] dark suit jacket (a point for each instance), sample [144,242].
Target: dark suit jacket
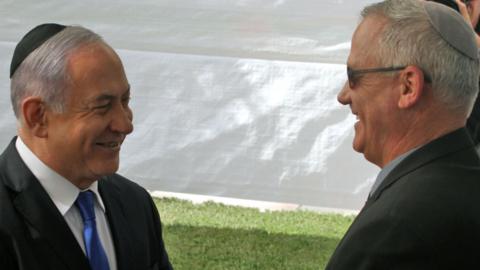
[473,121]
[425,215]
[34,235]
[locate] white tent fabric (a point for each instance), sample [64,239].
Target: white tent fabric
[233,98]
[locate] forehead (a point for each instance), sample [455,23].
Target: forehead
[365,40]
[91,59]
[94,68]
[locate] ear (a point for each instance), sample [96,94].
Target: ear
[34,116]
[412,79]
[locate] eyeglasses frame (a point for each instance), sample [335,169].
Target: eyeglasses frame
[352,73]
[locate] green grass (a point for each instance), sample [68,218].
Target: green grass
[214,236]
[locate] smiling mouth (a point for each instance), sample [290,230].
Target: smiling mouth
[110,145]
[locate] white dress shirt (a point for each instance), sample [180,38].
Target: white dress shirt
[63,194]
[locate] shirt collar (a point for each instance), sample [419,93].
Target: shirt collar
[62,192]
[388,168]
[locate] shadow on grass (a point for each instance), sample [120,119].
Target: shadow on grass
[192,248]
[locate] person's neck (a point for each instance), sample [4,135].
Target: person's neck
[412,141]
[417,131]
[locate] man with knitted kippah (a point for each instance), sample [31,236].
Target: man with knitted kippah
[62,206]
[413,75]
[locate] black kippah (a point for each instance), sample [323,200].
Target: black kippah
[32,40]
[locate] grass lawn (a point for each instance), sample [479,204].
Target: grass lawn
[213,236]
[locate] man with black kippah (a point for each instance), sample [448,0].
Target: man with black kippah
[413,75]
[62,206]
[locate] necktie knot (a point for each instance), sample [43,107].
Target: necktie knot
[85,203]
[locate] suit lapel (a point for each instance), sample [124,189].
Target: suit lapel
[119,225]
[450,143]
[40,212]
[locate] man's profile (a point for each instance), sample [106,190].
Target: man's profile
[413,75]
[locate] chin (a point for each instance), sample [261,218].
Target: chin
[357,145]
[105,169]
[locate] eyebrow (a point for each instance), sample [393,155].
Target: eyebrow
[109,97]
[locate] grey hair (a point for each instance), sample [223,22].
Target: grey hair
[408,38]
[44,72]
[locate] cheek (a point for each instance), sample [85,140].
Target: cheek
[83,144]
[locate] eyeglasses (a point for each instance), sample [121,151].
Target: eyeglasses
[354,73]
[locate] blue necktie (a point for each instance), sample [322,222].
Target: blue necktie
[95,253]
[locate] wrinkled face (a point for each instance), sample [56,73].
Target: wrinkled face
[85,139]
[372,98]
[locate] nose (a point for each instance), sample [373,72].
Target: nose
[344,95]
[122,120]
